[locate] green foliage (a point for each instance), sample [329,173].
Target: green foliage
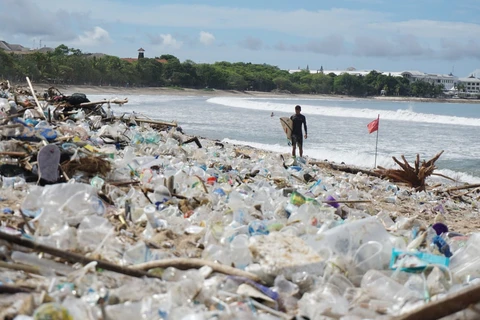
[70,66]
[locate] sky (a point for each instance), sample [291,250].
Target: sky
[433,36]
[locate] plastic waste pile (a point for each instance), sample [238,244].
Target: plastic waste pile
[133,221]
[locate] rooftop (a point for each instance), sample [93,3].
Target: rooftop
[413,73]
[12,47]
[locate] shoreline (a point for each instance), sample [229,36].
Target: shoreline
[126,91]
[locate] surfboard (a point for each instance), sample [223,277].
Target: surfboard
[287,125]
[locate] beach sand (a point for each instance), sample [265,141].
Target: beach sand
[460,215]
[125,91]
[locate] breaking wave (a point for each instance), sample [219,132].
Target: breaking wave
[331,111]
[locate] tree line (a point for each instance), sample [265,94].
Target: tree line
[70,66]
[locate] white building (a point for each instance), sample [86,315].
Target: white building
[475,74]
[471,84]
[449,81]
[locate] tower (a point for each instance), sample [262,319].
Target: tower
[141,53]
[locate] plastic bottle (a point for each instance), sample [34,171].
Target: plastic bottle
[442,246]
[257,227]
[109,111]
[241,255]
[51,311]
[97,182]
[149,211]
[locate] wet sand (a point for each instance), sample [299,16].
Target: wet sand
[126,91]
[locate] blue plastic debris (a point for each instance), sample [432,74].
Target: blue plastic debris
[413,261]
[442,246]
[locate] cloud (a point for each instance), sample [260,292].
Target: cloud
[376,2]
[297,22]
[166,40]
[302,23]
[206,38]
[96,36]
[376,32]
[329,45]
[456,50]
[130,39]
[251,43]
[410,46]
[27,18]
[429,29]
[398,46]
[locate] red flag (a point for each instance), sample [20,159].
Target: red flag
[373,126]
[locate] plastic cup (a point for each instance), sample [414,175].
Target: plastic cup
[369,256]
[240,253]
[332,202]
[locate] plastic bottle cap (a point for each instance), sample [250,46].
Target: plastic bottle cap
[149,209]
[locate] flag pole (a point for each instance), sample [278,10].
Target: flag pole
[376,143]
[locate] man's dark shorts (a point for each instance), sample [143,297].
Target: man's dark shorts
[297,140]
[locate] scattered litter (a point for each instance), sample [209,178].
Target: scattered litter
[123,217]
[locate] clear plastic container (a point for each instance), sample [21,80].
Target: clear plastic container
[240,253]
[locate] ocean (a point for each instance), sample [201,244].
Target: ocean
[337,128]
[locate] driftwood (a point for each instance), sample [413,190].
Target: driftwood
[345,168]
[190,263]
[115,101]
[4,288]
[171,124]
[414,176]
[194,139]
[18,266]
[444,307]
[123,183]
[467,186]
[39,107]
[74,257]
[134,271]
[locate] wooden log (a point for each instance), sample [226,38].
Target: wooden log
[74,257]
[444,307]
[5,288]
[467,186]
[122,183]
[115,101]
[193,263]
[19,267]
[165,123]
[345,168]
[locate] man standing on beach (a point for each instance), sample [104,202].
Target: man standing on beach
[297,135]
